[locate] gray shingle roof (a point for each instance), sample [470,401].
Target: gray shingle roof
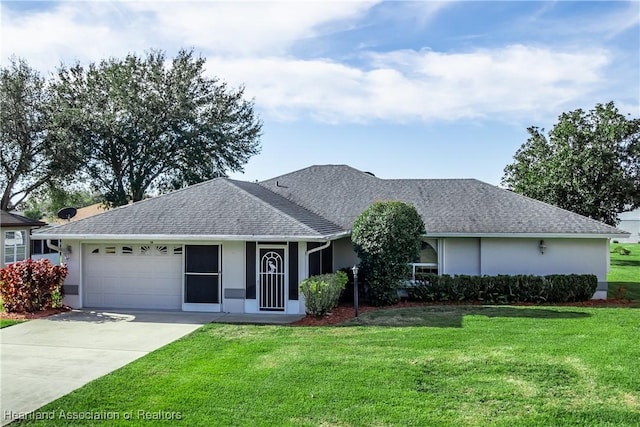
[447,206]
[323,201]
[220,207]
[8,219]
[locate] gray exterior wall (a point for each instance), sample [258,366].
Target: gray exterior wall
[343,254]
[461,256]
[493,256]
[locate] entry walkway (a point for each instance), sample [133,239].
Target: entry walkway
[258,319]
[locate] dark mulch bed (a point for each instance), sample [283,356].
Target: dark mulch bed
[343,312]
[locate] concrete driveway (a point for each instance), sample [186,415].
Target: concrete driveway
[44,359]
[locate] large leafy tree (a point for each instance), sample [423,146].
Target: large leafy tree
[589,163]
[49,199]
[33,151]
[387,237]
[152,124]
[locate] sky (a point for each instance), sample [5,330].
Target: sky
[400,89]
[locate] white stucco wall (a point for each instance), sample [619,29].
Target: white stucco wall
[233,273]
[461,256]
[561,256]
[74,272]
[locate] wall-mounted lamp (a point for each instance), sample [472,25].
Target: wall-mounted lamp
[542,247]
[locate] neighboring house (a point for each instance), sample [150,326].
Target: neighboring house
[234,246]
[81,213]
[40,249]
[14,237]
[630,222]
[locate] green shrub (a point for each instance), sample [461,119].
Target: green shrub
[387,237]
[505,289]
[321,293]
[29,286]
[621,250]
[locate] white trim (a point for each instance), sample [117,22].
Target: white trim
[530,235]
[81,273]
[196,306]
[189,237]
[209,308]
[255,238]
[25,245]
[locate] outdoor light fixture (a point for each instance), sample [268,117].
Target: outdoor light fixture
[542,246]
[355,289]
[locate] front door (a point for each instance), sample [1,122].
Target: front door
[272,279]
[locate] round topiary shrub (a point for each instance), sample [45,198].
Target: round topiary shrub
[387,237]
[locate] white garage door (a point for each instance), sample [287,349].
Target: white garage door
[132,276]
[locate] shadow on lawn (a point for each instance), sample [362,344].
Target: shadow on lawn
[452,316]
[625,263]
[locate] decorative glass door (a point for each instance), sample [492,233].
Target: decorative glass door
[272,279]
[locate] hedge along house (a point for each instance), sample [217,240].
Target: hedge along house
[15,231]
[233,246]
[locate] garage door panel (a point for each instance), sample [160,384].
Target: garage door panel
[132,301]
[141,277]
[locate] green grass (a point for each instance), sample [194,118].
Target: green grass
[461,366]
[8,322]
[624,273]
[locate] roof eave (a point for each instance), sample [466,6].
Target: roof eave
[535,235]
[190,237]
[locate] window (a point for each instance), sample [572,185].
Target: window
[40,247]
[427,261]
[153,250]
[15,246]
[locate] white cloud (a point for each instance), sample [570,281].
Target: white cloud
[418,85]
[247,28]
[68,32]
[251,43]
[88,31]
[609,24]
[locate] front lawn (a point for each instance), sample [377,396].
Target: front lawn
[462,366]
[624,273]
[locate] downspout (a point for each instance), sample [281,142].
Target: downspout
[65,252]
[312,251]
[54,247]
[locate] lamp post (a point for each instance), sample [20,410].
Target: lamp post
[355,289]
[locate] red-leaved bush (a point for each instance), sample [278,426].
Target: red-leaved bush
[29,285]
